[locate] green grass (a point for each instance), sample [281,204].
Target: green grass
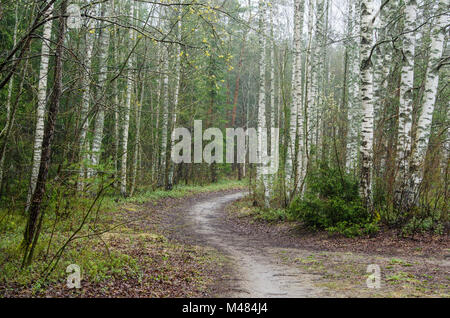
[89,252]
[184,190]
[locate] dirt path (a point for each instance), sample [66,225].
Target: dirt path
[275,261]
[257,268]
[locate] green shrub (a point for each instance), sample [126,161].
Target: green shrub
[331,202]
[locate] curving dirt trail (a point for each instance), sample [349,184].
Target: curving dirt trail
[272,261]
[258,272]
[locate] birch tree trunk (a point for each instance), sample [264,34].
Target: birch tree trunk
[262,129]
[156,146]
[429,99]
[116,107]
[85,100]
[354,107]
[165,117]
[382,71]
[36,215]
[272,89]
[40,110]
[406,103]
[137,144]
[367,102]
[100,119]
[309,81]
[317,77]
[175,100]
[295,154]
[126,119]
[138,112]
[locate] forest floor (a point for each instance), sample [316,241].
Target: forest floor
[282,259]
[121,252]
[210,242]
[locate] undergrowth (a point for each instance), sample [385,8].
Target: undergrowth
[77,242]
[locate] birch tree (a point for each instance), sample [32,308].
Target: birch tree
[126,119]
[41,103]
[85,102]
[366,94]
[34,222]
[429,99]
[262,133]
[175,96]
[295,148]
[354,100]
[316,107]
[310,97]
[406,99]
[165,116]
[100,117]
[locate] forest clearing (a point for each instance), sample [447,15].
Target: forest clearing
[224,149]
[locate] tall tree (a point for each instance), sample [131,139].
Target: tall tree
[101,88]
[85,102]
[295,162]
[41,103]
[36,213]
[175,95]
[429,100]
[126,119]
[367,102]
[262,120]
[354,98]
[406,100]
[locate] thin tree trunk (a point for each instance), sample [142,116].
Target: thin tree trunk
[406,102]
[295,163]
[262,133]
[85,100]
[126,119]
[40,110]
[310,97]
[354,98]
[429,100]
[165,118]
[36,215]
[367,102]
[175,101]
[100,118]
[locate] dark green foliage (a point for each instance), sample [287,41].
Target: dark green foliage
[331,202]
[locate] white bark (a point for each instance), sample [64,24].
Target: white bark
[310,76]
[137,145]
[138,111]
[317,77]
[262,129]
[429,98]
[155,164]
[366,150]
[126,119]
[296,132]
[116,108]
[175,98]
[354,101]
[406,93]
[100,119]
[165,115]
[40,110]
[85,100]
